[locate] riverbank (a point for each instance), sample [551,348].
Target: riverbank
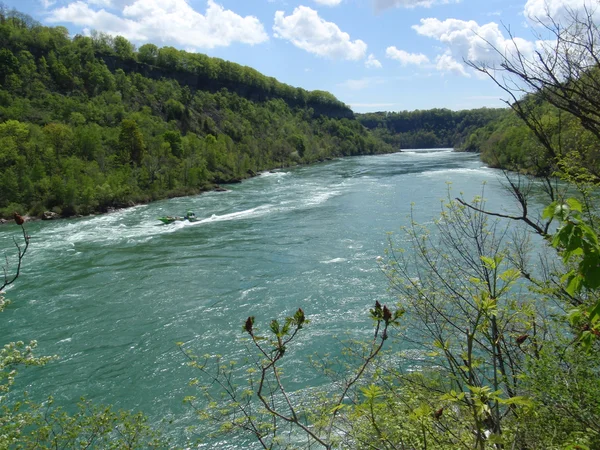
[213,187]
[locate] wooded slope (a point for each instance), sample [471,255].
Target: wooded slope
[90,123]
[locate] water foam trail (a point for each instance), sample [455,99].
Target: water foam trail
[138,224]
[427,154]
[259,211]
[320,197]
[416,151]
[274,174]
[459,171]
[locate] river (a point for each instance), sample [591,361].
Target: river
[112,294]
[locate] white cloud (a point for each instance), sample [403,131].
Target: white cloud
[558,9]
[386,4]
[446,63]
[79,13]
[372,62]
[306,30]
[406,58]
[490,44]
[329,2]
[467,40]
[167,22]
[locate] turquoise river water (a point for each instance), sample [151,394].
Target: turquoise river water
[112,294]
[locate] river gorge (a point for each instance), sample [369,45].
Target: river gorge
[111,295]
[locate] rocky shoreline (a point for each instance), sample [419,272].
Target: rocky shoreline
[50,215]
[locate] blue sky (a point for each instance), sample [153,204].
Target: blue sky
[374,55]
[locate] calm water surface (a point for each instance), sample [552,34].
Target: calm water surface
[111,295]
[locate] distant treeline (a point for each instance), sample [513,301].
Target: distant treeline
[90,123]
[500,135]
[435,128]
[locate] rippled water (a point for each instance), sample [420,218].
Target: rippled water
[113,294]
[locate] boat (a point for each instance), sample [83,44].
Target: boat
[189,216]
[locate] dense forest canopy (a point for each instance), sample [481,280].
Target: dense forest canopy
[90,123]
[435,128]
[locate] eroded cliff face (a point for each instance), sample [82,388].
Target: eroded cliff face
[321,105]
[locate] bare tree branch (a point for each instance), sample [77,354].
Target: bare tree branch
[11,276]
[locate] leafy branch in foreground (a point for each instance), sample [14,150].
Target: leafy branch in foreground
[579,247]
[466,332]
[484,358]
[554,91]
[91,426]
[261,404]
[14,354]
[576,241]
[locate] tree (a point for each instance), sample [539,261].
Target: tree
[8,64]
[168,57]
[103,42]
[60,137]
[123,48]
[173,138]
[131,142]
[148,53]
[564,72]
[456,282]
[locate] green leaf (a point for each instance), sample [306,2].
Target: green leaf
[510,275]
[574,204]
[518,400]
[489,263]
[577,447]
[372,391]
[574,316]
[574,284]
[595,313]
[336,408]
[549,211]
[275,327]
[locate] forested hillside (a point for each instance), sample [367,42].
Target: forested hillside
[565,147]
[435,128]
[90,123]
